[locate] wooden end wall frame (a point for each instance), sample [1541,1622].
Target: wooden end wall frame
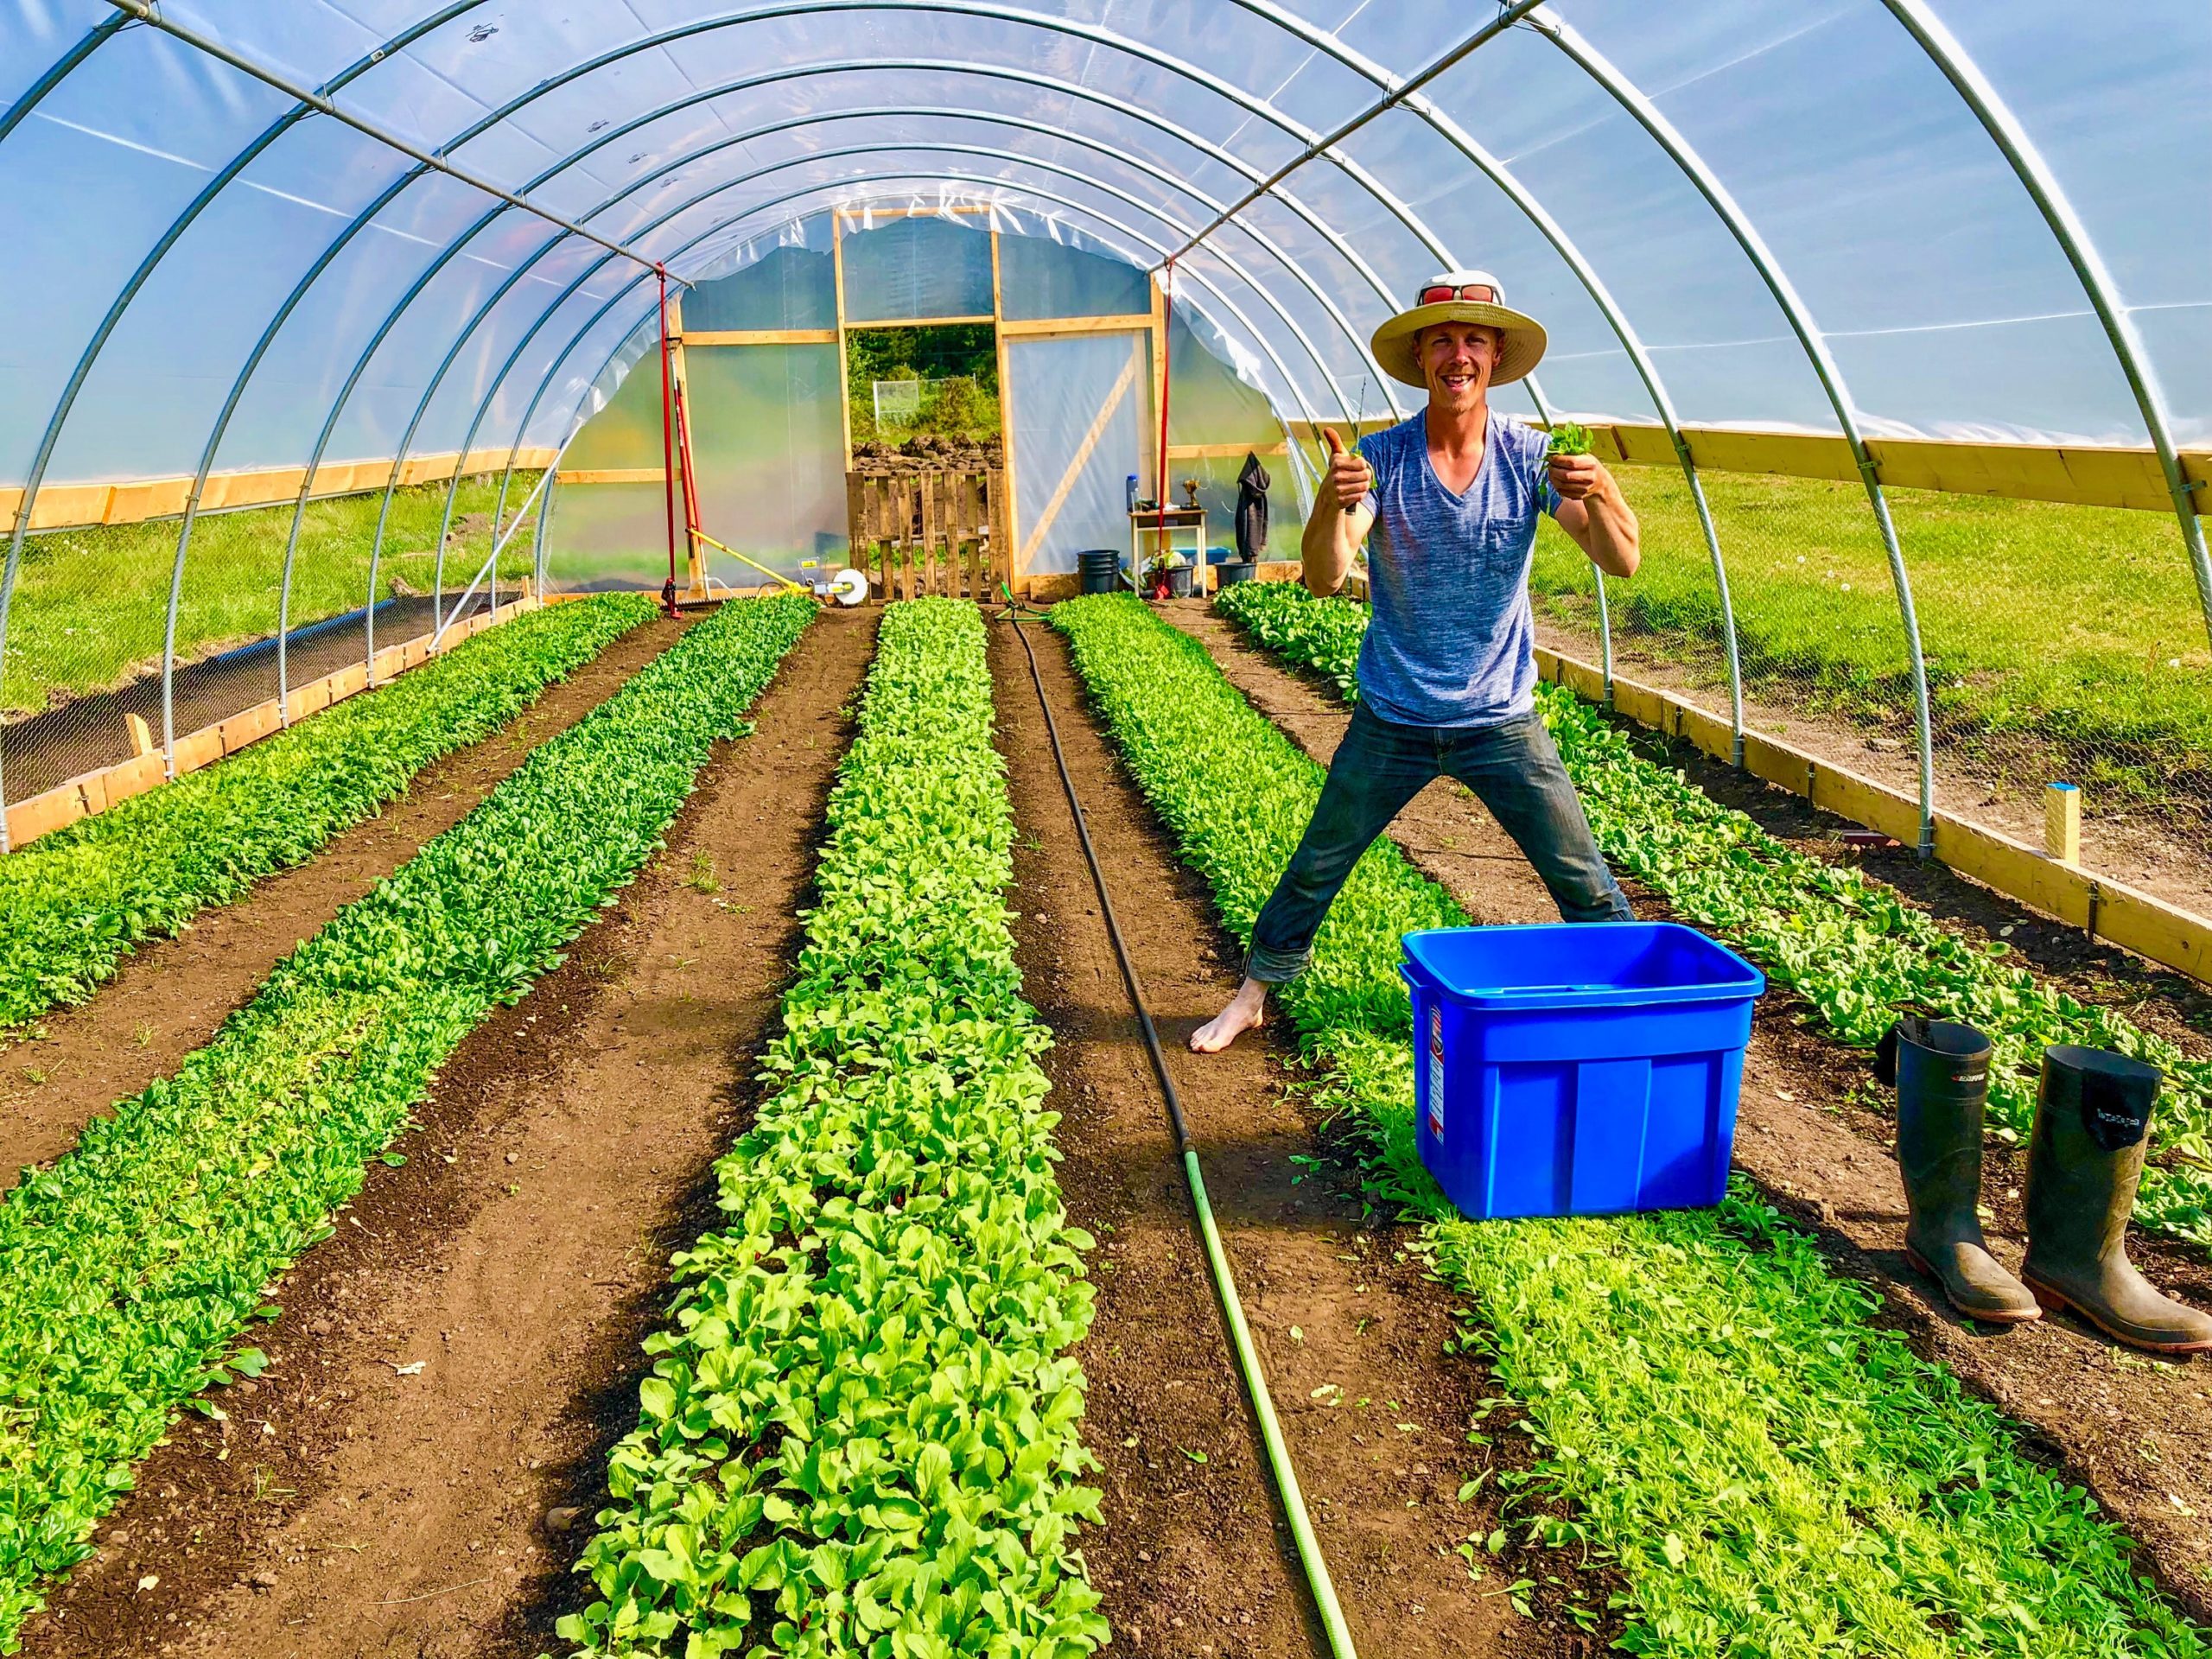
[1005,509]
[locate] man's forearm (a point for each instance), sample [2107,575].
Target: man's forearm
[1326,548]
[1611,533]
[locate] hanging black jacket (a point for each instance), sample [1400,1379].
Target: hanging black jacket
[1252,510]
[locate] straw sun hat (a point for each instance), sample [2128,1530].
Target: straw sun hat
[1458,296]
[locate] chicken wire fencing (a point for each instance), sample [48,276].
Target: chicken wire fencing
[2061,644]
[116,648]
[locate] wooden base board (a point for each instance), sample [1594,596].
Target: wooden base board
[95,791]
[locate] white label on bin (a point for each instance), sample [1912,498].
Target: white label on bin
[1436,1072]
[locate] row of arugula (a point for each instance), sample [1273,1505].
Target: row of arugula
[129,1269]
[860,1435]
[72,904]
[1720,1431]
[1851,947]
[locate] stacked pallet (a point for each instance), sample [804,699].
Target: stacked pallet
[940,532]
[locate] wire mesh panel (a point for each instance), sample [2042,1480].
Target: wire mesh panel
[1819,632]
[83,652]
[1668,616]
[2064,644]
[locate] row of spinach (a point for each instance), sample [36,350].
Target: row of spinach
[1851,946]
[74,902]
[129,1269]
[1729,1456]
[860,1435]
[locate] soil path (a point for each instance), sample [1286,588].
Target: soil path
[2137,1431]
[168,996]
[1195,1559]
[450,1371]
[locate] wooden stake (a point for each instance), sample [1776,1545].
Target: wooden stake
[2062,822]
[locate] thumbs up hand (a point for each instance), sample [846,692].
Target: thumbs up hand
[1349,476]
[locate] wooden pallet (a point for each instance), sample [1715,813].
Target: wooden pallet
[941,533]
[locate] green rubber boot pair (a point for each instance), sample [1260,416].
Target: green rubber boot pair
[2093,1121]
[1940,1071]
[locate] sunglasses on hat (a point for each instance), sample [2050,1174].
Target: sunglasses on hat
[1481,293]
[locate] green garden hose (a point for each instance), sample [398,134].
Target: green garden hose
[1240,1334]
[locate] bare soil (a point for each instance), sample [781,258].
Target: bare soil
[168,996]
[417,1470]
[1195,1558]
[2135,1431]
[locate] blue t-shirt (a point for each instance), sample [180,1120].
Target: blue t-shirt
[1450,641]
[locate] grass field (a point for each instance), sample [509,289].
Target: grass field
[90,604]
[2065,631]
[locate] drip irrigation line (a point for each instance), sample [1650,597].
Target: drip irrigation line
[1247,1359]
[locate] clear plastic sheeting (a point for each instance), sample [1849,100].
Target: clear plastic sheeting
[1076,408]
[1855,219]
[913,269]
[767,456]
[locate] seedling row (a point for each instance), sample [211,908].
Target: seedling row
[72,905]
[859,1427]
[860,1433]
[129,1270]
[1717,1420]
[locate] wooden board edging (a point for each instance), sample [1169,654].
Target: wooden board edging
[2083,474]
[94,793]
[132,501]
[2107,910]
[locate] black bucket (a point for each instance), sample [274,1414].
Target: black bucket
[1231,570]
[1101,568]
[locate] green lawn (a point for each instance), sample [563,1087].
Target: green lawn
[90,604]
[2072,632]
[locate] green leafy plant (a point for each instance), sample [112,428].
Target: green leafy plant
[1852,948]
[1569,439]
[129,1267]
[1715,1417]
[860,1433]
[73,902]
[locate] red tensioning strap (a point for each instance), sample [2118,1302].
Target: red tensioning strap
[667,438]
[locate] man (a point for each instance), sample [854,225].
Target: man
[1447,672]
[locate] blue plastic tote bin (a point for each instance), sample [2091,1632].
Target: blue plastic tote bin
[1566,1070]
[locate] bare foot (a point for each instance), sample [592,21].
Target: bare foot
[1245,1010]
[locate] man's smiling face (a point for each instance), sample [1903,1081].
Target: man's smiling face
[1457,360]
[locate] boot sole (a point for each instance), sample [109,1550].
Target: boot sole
[2023,1316]
[2058,1303]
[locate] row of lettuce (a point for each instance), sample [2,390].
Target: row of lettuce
[1851,947]
[74,902]
[130,1268]
[860,1435]
[1727,1446]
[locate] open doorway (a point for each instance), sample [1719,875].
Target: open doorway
[925,389]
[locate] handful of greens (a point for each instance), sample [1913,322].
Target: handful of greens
[1569,439]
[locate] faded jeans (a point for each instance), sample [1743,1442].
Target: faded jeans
[1514,769]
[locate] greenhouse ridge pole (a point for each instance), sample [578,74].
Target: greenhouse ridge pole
[1718,196]
[2065,225]
[146,12]
[1393,96]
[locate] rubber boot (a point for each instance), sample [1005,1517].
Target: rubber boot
[2092,1122]
[1942,1074]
